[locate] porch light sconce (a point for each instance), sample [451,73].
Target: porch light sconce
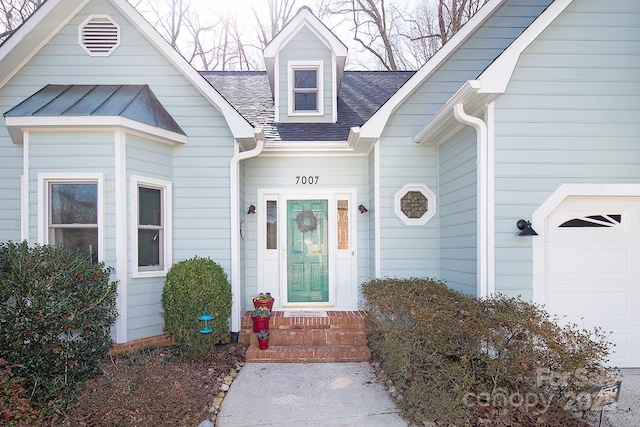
[252,209]
[362,209]
[525,228]
[204,322]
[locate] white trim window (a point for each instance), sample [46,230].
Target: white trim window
[305,88]
[150,207]
[71,212]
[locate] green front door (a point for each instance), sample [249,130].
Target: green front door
[307,251]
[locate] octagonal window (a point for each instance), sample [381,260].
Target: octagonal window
[415,204]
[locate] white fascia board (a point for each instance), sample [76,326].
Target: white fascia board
[240,127]
[444,115]
[497,75]
[493,81]
[374,126]
[34,33]
[334,89]
[359,144]
[302,18]
[248,144]
[53,15]
[18,125]
[443,123]
[325,148]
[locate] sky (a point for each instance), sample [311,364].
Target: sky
[242,9]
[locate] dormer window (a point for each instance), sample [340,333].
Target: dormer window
[305,88]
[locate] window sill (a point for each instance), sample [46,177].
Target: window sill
[146,274]
[305,114]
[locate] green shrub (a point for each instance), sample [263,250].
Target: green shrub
[192,285]
[56,311]
[459,360]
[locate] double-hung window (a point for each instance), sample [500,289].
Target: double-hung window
[305,88]
[150,200]
[71,208]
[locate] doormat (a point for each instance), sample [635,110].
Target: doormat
[306,313]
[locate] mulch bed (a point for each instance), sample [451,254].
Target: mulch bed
[157,387]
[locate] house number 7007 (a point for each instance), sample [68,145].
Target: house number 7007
[306,179]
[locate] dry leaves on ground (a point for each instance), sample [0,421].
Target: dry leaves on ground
[156,388]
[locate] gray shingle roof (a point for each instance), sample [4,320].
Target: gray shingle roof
[135,102]
[362,93]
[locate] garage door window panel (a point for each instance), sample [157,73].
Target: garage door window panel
[593,221]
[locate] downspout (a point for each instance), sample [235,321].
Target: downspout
[376,212]
[235,229]
[121,271]
[24,189]
[484,282]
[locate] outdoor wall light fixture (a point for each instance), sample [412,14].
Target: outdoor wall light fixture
[362,209]
[525,228]
[252,209]
[204,322]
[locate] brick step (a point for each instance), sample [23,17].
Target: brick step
[333,320]
[280,320]
[300,354]
[314,337]
[333,336]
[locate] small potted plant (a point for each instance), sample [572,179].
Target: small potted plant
[263,339]
[260,317]
[264,299]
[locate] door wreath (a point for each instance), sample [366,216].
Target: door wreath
[306,221]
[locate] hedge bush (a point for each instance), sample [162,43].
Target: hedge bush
[460,360]
[56,313]
[192,285]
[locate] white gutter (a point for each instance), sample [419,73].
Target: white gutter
[498,75]
[121,273]
[474,94]
[376,212]
[372,128]
[485,282]
[24,189]
[235,226]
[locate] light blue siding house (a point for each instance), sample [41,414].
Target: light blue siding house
[307,179]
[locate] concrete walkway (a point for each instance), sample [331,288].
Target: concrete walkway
[348,394]
[313,394]
[626,412]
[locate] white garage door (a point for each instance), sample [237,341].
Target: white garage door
[592,269]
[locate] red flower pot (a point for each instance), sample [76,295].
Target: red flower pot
[263,344]
[260,323]
[263,303]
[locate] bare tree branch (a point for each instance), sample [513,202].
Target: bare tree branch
[13,13]
[391,37]
[280,12]
[403,38]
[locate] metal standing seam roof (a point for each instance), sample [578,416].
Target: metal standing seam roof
[362,93]
[135,102]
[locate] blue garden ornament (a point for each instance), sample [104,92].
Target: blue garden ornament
[204,322]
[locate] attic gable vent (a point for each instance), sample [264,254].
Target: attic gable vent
[99,35]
